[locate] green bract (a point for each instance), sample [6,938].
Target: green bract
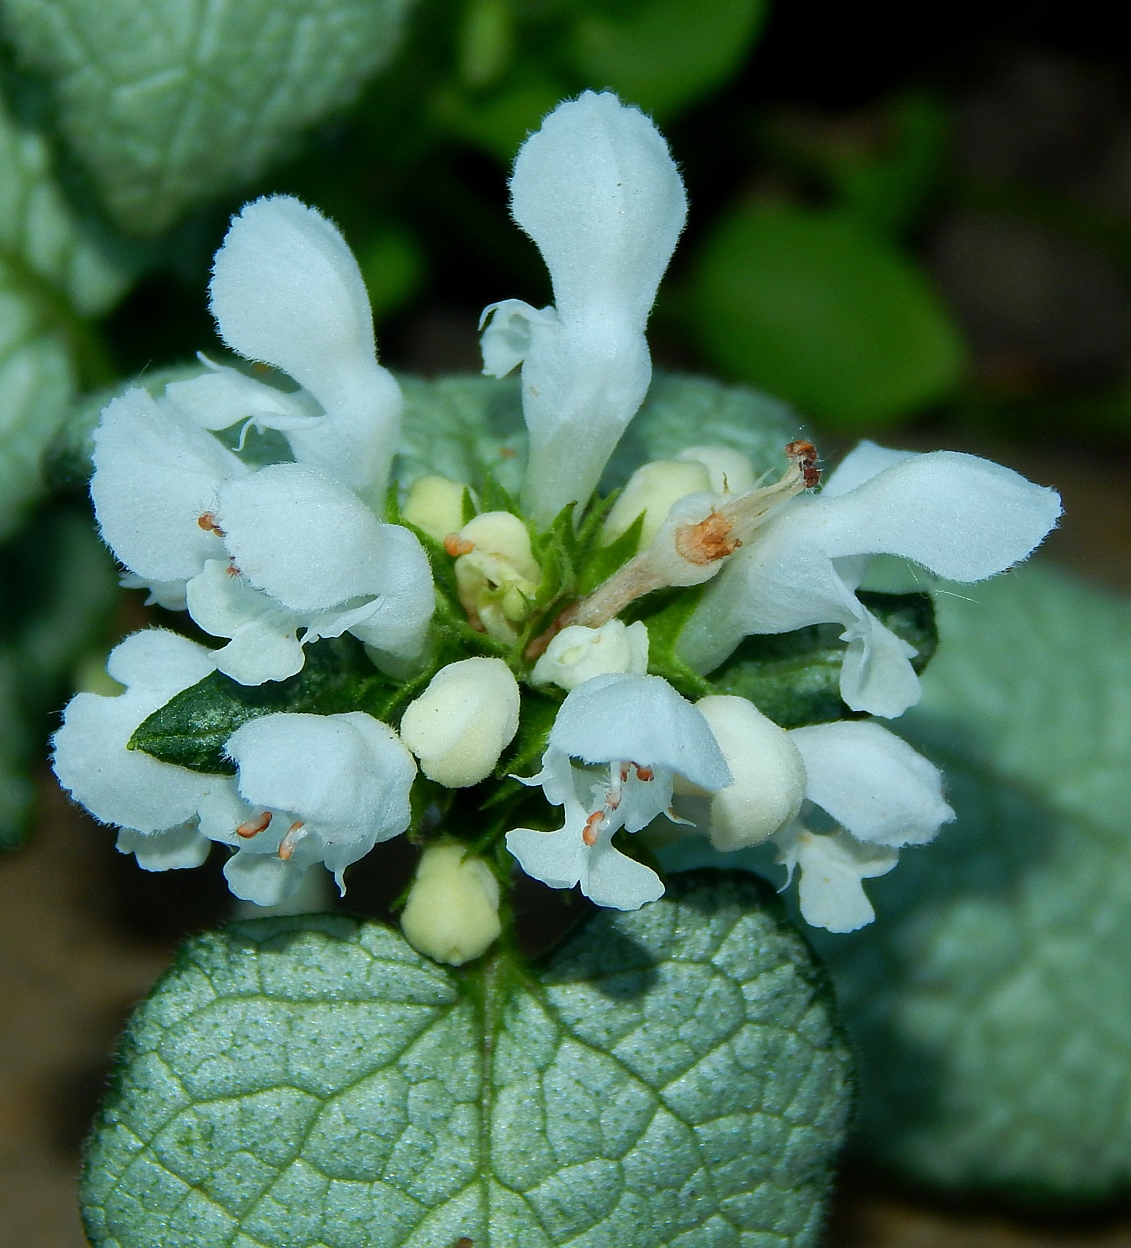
[169,103]
[53,274]
[991,1002]
[671,1076]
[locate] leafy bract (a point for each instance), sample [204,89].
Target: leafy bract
[823,311]
[671,1076]
[171,102]
[53,274]
[990,1002]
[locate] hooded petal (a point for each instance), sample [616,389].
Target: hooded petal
[156,473]
[264,879]
[830,892]
[286,290]
[174,849]
[872,782]
[642,719]
[396,622]
[116,784]
[555,858]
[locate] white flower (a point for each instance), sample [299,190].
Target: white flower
[641,734]
[257,556]
[961,517]
[463,721]
[309,789]
[578,653]
[882,794]
[597,190]
[154,803]
[286,290]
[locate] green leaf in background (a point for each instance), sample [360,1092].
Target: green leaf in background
[58,588]
[53,274]
[170,102]
[990,1003]
[819,309]
[671,1076]
[663,54]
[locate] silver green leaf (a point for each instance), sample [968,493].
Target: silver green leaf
[671,1076]
[991,1000]
[171,102]
[53,274]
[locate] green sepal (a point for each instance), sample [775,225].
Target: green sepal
[191,729]
[794,678]
[605,560]
[670,1076]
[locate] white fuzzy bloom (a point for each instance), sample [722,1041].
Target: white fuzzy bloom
[769,776]
[460,725]
[257,556]
[452,912]
[639,733]
[596,188]
[577,654]
[153,802]
[286,290]
[309,789]
[961,517]
[883,795]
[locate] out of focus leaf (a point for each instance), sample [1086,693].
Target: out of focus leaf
[663,54]
[171,102]
[392,264]
[53,274]
[817,308]
[500,122]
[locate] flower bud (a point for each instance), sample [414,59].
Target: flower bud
[452,913]
[435,505]
[463,721]
[730,471]
[496,574]
[652,489]
[769,776]
[578,653]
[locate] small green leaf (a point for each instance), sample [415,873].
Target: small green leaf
[53,274]
[171,102]
[794,678]
[192,728]
[605,560]
[990,1002]
[670,1077]
[823,311]
[663,54]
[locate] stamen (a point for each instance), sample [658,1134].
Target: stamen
[292,836]
[707,541]
[644,773]
[804,454]
[592,828]
[253,827]
[456,545]
[208,523]
[232,570]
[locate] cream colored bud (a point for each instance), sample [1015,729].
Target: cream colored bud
[452,913]
[497,575]
[769,776]
[578,653]
[463,721]
[435,505]
[730,471]
[652,489]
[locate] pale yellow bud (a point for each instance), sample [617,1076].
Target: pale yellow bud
[497,575]
[652,489]
[463,721]
[578,653]
[452,913]
[730,471]
[435,505]
[769,776]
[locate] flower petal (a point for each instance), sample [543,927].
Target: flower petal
[224,396]
[830,891]
[264,879]
[156,472]
[876,675]
[872,782]
[618,882]
[555,858]
[174,849]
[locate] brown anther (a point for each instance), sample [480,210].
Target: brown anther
[253,827]
[804,454]
[591,830]
[456,545]
[707,541]
[287,844]
[208,523]
[644,773]
[232,570]
[624,770]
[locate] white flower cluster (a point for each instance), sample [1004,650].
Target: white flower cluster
[272,557]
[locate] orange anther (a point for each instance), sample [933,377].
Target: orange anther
[287,844]
[232,570]
[706,542]
[253,827]
[804,455]
[456,545]
[208,523]
[592,829]
[644,773]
